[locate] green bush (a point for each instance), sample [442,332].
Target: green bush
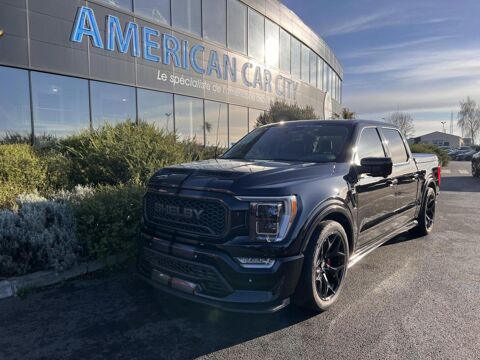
[431,149]
[108,220]
[125,153]
[21,171]
[38,235]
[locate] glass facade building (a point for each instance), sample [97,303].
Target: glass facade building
[206,69]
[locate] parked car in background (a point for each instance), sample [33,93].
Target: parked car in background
[465,156]
[476,164]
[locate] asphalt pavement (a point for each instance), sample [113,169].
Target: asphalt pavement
[413,298]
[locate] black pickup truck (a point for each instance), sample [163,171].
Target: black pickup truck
[283,214]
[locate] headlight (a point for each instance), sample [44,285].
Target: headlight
[271,218]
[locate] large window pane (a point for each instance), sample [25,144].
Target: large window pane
[186,15]
[295,58]
[237,26]
[214,14]
[158,10]
[256,36]
[216,124]
[253,115]
[14,102]
[313,69]
[112,103]
[156,107]
[284,51]
[272,43]
[321,68]
[60,104]
[238,123]
[124,4]
[305,63]
[189,118]
[326,78]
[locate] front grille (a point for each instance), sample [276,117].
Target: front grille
[206,276]
[199,216]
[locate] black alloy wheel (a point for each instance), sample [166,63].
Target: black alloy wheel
[324,268]
[430,210]
[330,266]
[426,216]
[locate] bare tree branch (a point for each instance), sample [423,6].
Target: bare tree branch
[403,121]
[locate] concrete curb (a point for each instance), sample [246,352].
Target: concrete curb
[11,287]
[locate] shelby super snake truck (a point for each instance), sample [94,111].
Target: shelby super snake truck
[283,214]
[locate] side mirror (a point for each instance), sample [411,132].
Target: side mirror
[376,166]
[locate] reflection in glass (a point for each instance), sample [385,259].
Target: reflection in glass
[253,115]
[284,51]
[238,123]
[186,15]
[214,20]
[156,107]
[313,69]
[60,104]
[321,67]
[237,26]
[256,36]
[272,43]
[14,102]
[216,124]
[326,78]
[189,118]
[158,10]
[112,103]
[123,4]
[295,59]
[305,63]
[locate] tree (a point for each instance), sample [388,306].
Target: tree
[403,121]
[281,111]
[469,118]
[347,114]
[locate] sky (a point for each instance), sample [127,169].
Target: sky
[415,56]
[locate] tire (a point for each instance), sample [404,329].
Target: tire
[475,172]
[426,217]
[325,268]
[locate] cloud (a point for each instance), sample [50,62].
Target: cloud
[381,19]
[359,24]
[395,46]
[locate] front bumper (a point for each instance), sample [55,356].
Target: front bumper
[213,277]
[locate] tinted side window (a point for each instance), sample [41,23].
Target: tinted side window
[395,145]
[370,144]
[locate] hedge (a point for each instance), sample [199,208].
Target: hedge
[431,149]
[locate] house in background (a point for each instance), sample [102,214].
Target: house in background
[439,138]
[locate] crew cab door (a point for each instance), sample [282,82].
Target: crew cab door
[375,195]
[405,175]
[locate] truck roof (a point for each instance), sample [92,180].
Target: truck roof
[336,122]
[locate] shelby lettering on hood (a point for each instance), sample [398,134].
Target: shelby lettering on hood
[176,51]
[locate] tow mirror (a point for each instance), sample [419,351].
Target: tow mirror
[376,166]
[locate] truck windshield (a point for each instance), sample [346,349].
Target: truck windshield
[302,143]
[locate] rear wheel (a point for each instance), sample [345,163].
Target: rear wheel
[426,217]
[475,172]
[325,268]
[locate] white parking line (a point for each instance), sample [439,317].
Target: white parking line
[446,171]
[464,172]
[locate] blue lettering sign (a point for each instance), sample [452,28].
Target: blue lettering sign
[86,24]
[177,51]
[123,41]
[149,44]
[213,64]
[193,59]
[171,51]
[229,68]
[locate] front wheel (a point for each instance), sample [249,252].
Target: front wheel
[426,217]
[325,268]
